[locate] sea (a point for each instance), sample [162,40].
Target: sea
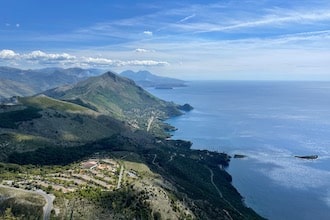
[270,122]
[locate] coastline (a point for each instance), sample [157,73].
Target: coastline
[219,178]
[229,117]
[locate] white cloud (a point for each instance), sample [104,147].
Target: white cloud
[17,25]
[8,54]
[98,61]
[141,50]
[144,63]
[120,63]
[148,33]
[38,57]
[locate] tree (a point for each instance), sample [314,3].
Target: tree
[8,215]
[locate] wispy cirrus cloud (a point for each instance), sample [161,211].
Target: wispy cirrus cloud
[187,18]
[220,38]
[269,20]
[172,23]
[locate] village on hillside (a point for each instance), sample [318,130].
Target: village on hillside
[105,173]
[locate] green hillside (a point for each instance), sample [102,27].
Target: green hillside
[93,109]
[111,117]
[118,97]
[44,102]
[41,121]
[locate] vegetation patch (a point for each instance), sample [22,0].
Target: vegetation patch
[23,205]
[11,119]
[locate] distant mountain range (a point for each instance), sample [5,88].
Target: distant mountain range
[147,79]
[18,82]
[9,88]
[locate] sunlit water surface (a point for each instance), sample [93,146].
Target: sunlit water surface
[270,122]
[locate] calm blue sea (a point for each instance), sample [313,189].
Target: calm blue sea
[270,122]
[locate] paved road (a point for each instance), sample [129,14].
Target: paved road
[48,197]
[49,203]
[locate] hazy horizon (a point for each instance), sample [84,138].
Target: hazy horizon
[214,40]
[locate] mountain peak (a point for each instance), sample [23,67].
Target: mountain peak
[116,78]
[117,96]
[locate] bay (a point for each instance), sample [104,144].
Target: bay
[270,122]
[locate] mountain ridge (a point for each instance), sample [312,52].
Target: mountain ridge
[39,80]
[119,97]
[145,78]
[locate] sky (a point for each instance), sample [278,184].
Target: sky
[225,39]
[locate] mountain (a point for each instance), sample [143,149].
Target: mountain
[40,121]
[9,88]
[46,139]
[147,79]
[118,97]
[90,110]
[35,81]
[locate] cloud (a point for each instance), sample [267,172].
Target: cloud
[275,19]
[17,25]
[8,54]
[148,33]
[187,18]
[98,61]
[145,63]
[65,59]
[141,50]
[120,63]
[7,24]
[40,55]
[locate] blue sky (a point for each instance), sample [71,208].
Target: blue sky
[227,39]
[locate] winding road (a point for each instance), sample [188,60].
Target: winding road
[221,195]
[215,186]
[49,198]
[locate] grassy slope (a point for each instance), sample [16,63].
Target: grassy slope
[117,96]
[53,123]
[44,102]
